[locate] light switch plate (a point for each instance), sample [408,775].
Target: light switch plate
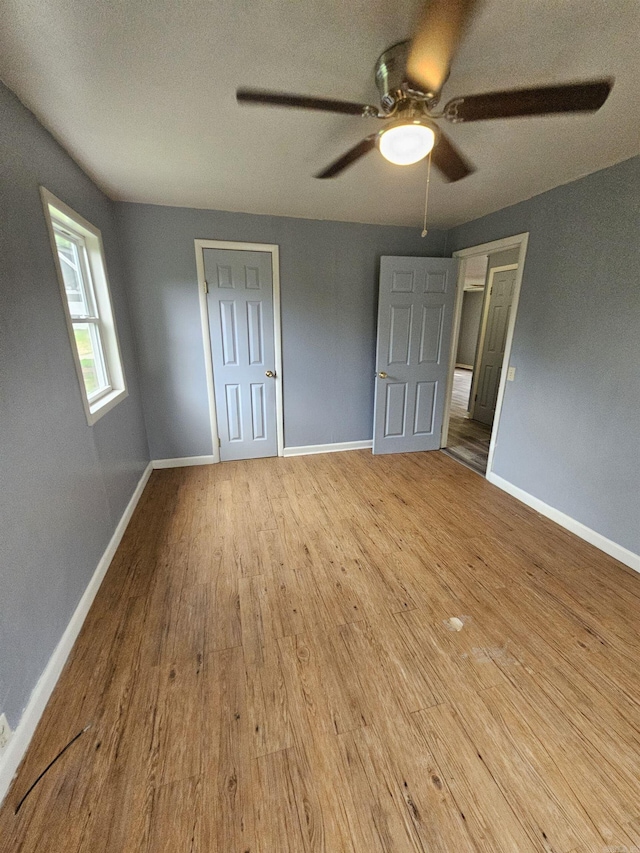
[511,374]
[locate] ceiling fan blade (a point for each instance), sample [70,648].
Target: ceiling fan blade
[304,102]
[350,157]
[434,45]
[448,159]
[571,98]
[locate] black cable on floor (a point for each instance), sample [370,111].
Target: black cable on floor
[50,765]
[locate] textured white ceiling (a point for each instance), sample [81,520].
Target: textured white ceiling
[141,92]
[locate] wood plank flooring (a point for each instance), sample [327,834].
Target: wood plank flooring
[468,440]
[269,667]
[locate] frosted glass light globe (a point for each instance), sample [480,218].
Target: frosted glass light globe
[404,144]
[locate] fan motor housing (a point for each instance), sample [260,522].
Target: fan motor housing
[391,79]
[391,75]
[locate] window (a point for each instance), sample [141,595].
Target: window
[82,275]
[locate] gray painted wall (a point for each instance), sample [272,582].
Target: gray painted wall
[569,431]
[65,485]
[469,326]
[329,287]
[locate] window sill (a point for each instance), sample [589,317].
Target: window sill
[104,404]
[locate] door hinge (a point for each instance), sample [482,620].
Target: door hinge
[475,398]
[206,286]
[219,443]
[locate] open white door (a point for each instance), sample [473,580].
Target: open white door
[415,314]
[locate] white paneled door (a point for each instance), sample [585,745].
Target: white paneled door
[415,313]
[240,306]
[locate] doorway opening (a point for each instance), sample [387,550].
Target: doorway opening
[469,439]
[484,319]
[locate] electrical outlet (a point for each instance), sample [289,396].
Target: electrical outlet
[511,374]
[5,731]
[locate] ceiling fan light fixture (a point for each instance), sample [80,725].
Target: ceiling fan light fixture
[406,143]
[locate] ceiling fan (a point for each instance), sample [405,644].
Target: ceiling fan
[410,77]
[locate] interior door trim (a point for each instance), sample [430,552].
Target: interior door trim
[519,241]
[274,250]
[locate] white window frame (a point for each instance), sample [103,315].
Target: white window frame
[60,217]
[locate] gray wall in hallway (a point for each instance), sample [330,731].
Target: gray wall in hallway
[329,287]
[65,484]
[469,326]
[569,429]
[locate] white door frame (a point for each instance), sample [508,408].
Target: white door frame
[519,241]
[486,302]
[273,249]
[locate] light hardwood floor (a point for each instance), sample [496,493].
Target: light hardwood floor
[268,668]
[468,440]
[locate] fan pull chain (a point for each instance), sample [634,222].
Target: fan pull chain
[426,198]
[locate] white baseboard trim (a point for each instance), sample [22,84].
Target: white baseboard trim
[183,462]
[14,752]
[594,538]
[337,447]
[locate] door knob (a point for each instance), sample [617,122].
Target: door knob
[382,375]
[270,374]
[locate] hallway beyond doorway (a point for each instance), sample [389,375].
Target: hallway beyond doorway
[468,440]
